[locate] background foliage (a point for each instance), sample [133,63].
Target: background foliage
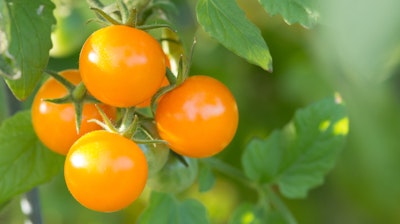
[353,48]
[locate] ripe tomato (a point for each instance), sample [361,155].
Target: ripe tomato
[174,177]
[53,123]
[147,102]
[199,118]
[165,82]
[122,66]
[105,171]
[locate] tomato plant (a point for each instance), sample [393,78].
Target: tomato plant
[105,171]
[135,129]
[122,71]
[199,118]
[54,123]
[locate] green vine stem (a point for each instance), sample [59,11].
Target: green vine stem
[61,80]
[281,206]
[229,171]
[265,193]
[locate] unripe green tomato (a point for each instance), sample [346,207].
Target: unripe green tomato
[174,177]
[156,154]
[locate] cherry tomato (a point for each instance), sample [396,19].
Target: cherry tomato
[53,123]
[122,66]
[164,83]
[105,171]
[174,177]
[198,118]
[147,102]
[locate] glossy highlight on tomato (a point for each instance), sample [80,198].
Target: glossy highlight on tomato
[198,118]
[54,124]
[105,171]
[121,65]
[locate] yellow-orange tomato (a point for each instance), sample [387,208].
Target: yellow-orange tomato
[199,118]
[122,66]
[54,124]
[147,102]
[105,171]
[164,83]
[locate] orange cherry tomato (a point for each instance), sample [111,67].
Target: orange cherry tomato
[164,83]
[53,123]
[105,171]
[122,66]
[198,118]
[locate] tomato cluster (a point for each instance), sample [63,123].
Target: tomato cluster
[123,69]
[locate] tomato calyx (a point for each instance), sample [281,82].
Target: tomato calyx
[128,127]
[77,95]
[120,13]
[182,74]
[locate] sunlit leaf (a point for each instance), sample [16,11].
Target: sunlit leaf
[304,12]
[27,34]
[227,23]
[298,157]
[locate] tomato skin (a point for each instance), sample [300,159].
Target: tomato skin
[164,83]
[122,66]
[54,124]
[105,171]
[199,118]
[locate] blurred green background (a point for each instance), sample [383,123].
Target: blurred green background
[354,50]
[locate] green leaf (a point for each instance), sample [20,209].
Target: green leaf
[206,178]
[3,101]
[227,23]
[304,12]
[262,158]
[24,162]
[27,32]
[165,208]
[298,157]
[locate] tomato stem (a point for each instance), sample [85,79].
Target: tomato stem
[181,74]
[123,9]
[79,92]
[106,124]
[61,80]
[132,18]
[95,3]
[230,171]
[78,113]
[105,16]
[170,76]
[147,141]
[156,26]
[157,95]
[180,158]
[130,130]
[65,99]
[281,206]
